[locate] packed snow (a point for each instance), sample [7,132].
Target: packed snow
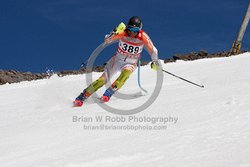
[185,126]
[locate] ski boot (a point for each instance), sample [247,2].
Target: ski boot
[81,98]
[107,95]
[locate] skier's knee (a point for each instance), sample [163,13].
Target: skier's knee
[104,78]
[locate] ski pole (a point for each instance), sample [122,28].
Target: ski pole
[201,86]
[139,76]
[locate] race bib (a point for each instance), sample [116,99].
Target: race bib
[130,49]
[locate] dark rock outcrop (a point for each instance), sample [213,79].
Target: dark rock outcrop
[12,76]
[197,55]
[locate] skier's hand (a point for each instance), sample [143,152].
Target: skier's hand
[155,65]
[107,40]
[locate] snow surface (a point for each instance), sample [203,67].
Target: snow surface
[212,127]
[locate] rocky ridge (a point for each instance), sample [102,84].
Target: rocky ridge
[12,76]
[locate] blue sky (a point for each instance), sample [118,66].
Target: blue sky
[61,34]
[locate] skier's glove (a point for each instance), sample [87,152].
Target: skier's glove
[120,28]
[155,65]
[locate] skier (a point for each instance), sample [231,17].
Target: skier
[132,39]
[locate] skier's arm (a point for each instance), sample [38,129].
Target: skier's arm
[116,34]
[150,47]
[114,38]
[152,51]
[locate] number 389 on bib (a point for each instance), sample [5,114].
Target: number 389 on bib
[130,48]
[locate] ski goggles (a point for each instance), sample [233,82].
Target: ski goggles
[133,29]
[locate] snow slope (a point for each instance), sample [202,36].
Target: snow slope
[211,126]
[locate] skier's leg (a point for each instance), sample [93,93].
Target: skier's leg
[108,72]
[119,82]
[95,85]
[90,90]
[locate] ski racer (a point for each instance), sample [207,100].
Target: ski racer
[132,40]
